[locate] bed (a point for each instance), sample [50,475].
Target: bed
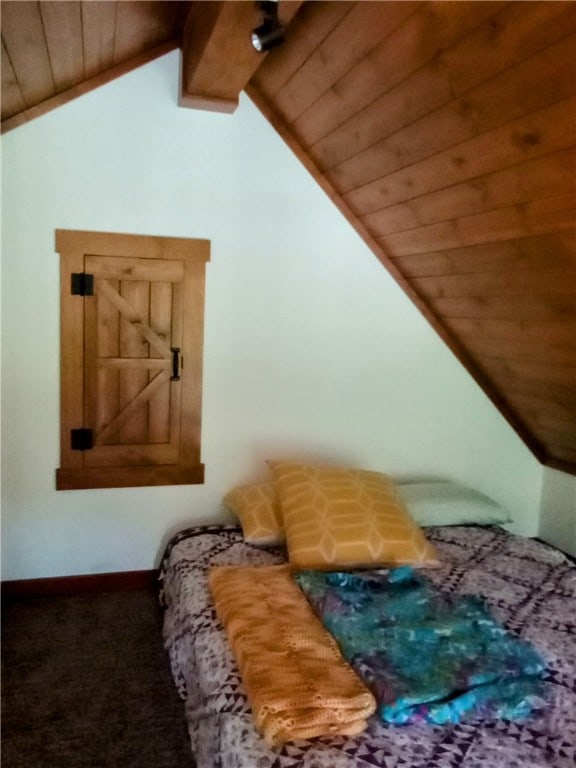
[529,587]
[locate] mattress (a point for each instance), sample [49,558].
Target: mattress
[529,587]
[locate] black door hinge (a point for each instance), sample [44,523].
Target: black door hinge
[81,439]
[82,284]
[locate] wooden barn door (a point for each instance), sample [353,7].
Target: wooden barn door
[131,359]
[133,354]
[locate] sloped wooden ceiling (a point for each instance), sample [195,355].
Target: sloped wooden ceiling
[55,51]
[445,133]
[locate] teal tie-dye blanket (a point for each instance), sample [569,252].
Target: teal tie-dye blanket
[427,656]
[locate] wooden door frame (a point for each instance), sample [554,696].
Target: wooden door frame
[73,246]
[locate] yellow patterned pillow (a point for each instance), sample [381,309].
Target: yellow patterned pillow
[346,518]
[258,508]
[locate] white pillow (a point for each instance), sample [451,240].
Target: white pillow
[444,502]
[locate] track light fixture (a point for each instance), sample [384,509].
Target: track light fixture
[270,33]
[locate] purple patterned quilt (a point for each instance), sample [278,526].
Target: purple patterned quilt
[530,588]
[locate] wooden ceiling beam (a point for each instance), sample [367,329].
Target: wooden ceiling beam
[218,59]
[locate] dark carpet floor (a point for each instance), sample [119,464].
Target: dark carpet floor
[86,684]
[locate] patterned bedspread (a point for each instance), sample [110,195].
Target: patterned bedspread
[529,587]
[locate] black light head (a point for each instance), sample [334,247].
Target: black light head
[270,33]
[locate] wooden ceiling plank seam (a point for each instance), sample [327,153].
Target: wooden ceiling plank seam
[563,396]
[536,282]
[135,29]
[140,24]
[429,313]
[555,412]
[420,39]
[509,381]
[83,39]
[556,435]
[557,249]
[514,307]
[546,427]
[556,332]
[12,97]
[351,41]
[551,332]
[157,20]
[98,36]
[25,42]
[513,222]
[545,130]
[568,466]
[519,91]
[523,30]
[62,23]
[556,442]
[385,105]
[39,3]
[556,358]
[88,85]
[115,44]
[311,25]
[563,391]
[482,53]
[548,174]
[537,217]
[533,370]
[490,346]
[544,177]
[536,370]
[450,126]
[560,442]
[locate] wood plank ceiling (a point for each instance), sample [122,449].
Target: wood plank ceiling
[54,51]
[443,131]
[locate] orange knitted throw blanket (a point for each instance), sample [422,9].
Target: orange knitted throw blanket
[297,682]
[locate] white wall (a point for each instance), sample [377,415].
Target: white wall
[558,510]
[310,349]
